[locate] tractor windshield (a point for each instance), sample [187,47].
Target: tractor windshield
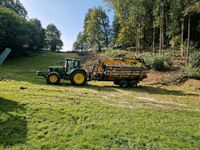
[71,64]
[76,64]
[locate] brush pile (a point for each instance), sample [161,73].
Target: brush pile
[175,79]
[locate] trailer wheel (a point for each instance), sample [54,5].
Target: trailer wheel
[133,84]
[123,83]
[53,78]
[78,78]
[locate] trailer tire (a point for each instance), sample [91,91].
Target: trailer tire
[133,83]
[123,83]
[116,82]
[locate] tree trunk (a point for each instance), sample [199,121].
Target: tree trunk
[161,27]
[161,39]
[182,38]
[144,39]
[137,41]
[99,47]
[153,40]
[188,40]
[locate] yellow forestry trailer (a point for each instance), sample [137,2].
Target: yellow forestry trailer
[123,72]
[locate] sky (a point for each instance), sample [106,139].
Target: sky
[67,15]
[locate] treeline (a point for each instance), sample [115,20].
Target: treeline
[25,36]
[143,24]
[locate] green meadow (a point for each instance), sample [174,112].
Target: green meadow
[34,115]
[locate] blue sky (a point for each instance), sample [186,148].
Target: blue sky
[67,15]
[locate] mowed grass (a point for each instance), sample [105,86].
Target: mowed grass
[34,115]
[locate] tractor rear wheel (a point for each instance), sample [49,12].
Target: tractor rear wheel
[78,78]
[53,78]
[123,83]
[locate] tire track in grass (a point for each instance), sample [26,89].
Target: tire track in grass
[145,102]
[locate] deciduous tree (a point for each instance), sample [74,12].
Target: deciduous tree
[15,5]
[53,38]
[37,35]
[97,29]
[81,43]
[13,32]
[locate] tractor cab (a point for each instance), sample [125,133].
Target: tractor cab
[71,64]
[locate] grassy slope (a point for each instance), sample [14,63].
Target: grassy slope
[97,116]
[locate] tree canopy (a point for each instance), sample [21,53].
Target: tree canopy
[53,38]
[155,23]
[13,31]
[97,31]
[37,34]
[144,24]
[81,43]
[25,36]
[15,5]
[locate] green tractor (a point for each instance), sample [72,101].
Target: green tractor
[70,71]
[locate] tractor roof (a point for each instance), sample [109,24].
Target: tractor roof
[72,59]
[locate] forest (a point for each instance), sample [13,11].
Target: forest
[141,25]
[168,30]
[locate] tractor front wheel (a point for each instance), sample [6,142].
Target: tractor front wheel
[53,78]
[78,78]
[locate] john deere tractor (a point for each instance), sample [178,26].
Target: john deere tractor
[70,71]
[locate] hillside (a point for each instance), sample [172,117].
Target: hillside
[34,115]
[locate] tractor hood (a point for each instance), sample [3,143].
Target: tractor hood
[56,68]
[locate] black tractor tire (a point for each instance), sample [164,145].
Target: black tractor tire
[53,78]
[123,83]
[133,84]
[78,78]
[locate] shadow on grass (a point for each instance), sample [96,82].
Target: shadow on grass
[140,89]
[13,127]
[160,91]
[145,89]
[91,86]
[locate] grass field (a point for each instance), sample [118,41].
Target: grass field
[34,115]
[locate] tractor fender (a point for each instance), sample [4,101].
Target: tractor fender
[77,69]
[49,73]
